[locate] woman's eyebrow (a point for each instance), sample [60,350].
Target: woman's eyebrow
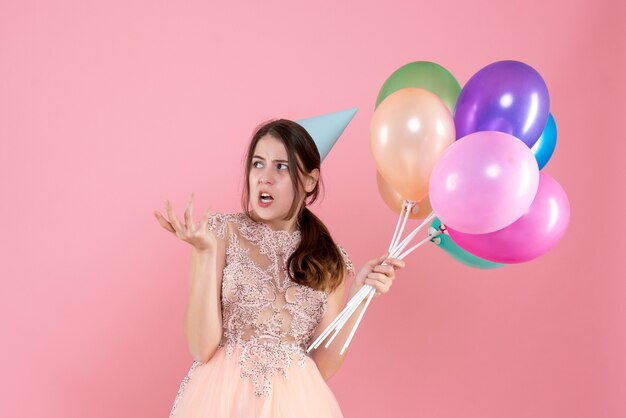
[275,161]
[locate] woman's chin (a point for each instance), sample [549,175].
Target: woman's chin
[263,213]
[268,213]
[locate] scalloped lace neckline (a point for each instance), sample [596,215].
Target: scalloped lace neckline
[293,235]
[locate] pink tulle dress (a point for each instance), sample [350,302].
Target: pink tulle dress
[261,368]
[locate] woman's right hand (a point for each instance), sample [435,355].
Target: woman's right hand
[197,235]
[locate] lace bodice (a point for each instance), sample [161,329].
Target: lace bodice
[270,316]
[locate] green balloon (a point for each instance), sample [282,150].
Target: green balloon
[424,75]
[458,253]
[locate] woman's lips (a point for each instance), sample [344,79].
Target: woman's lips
[265,199]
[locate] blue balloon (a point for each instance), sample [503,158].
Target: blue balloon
[544,147]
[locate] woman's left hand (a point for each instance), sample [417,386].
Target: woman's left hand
[377,275]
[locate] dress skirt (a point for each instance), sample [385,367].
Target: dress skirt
[218,388]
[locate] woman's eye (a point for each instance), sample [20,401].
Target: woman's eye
[257,164]
[283,166]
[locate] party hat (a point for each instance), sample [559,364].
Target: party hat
[326,129]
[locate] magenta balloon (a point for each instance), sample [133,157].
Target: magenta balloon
[531,236]
[483,182]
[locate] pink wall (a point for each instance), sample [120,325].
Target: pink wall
[109,108]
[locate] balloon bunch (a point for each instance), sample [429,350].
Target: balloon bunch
[474,156]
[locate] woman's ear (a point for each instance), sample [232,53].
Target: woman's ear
[311,179]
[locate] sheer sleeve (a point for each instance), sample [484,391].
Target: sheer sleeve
[218,224]
[347,261]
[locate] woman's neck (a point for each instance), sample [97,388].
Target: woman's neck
[277,225]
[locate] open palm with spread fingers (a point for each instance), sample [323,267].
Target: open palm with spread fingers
[197,235]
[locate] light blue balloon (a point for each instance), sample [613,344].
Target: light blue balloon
[326,129]
[544,147]
[444,242]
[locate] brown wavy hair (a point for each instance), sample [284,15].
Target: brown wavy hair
[317,262]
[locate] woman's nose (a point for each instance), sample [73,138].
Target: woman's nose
[266,178]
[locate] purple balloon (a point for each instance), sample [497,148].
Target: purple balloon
[506,96]
[531,236]
[483,182]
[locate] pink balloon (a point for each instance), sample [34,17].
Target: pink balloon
[483,182]
[531,236]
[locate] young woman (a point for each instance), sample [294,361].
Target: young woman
[263,284]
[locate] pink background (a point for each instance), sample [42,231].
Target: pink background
[109,108]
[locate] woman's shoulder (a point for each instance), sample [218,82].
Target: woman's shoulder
[346,258]
[225,216]
[228,218]
[221,221]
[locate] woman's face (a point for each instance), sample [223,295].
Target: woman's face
[271,189]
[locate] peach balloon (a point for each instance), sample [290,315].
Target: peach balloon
[394,200]
[410,129]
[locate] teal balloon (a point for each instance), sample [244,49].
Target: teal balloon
[326,129]
[544,147]
[459,254]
